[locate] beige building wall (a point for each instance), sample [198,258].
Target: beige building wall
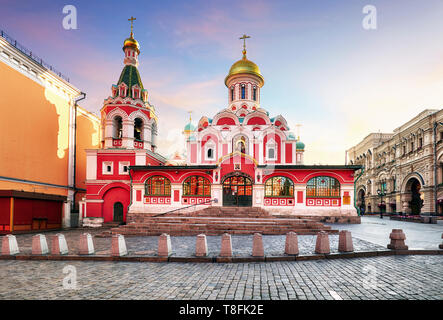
[410,158]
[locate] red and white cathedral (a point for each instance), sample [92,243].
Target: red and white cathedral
[239,157]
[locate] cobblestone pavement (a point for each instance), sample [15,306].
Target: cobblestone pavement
[185,246]
[391,277]
[376,230]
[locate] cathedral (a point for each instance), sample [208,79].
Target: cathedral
[240,157]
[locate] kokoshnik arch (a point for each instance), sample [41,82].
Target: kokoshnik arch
[240,157]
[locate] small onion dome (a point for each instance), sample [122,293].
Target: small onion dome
[300,145]
[189,128]
[291,136]
[131,42]
[245,66]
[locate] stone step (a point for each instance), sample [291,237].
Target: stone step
[227,223]
[195,232]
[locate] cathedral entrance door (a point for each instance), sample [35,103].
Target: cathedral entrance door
[237,192]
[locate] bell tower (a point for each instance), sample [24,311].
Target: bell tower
[129,120]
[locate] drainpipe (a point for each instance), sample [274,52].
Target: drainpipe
[130,193]
[82,96]
[355,190]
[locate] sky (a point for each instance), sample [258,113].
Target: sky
[322,68]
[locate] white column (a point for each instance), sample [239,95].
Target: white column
[128,134]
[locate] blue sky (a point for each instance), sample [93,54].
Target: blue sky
[321,68]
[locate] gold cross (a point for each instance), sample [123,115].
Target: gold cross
[244,37]
[132,20]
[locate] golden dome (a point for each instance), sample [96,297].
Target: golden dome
[131,42]
[244,66]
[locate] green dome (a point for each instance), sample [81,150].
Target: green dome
[300,145]
[189,127]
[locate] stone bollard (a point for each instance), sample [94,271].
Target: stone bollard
[39,244]
[9,245]
[441,245]
[118,246]
[397,237]
[345,241]
[164,245]
[322,243]
[201,246]
[257,246]
[226,246]
[291,244]
[86,245]
[58,244]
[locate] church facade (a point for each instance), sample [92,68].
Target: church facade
[241,157]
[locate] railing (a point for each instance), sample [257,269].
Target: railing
[31,55]
[192,205]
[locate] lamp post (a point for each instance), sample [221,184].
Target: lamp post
[381,193]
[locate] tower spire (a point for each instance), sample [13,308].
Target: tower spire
[298,131]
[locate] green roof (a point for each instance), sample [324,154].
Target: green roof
[300,145]
[189,127]
[130,77]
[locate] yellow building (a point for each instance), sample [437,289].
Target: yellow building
[43,135]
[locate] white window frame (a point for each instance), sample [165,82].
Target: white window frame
[121,165]
[210,145]
[105,165]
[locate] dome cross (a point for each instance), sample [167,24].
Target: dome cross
[132,20]
[244,37]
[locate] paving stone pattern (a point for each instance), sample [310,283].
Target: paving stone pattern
[390,277]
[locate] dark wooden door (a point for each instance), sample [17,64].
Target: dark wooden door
[118,212]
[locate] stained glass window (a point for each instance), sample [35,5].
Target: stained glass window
[197,186]
[279,187]
[323,187]
[158,186]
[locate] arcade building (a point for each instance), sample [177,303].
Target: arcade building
[241,157]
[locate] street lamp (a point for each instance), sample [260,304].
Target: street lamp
[381,193]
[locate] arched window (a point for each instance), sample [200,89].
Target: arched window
[254,93]
[210,154]
[279,187]
[158,186]
[197,186]
[118,127]
[243,91]
[271,150]
[232,93]
[323,187]
[138,129]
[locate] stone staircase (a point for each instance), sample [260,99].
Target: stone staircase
[216,221]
